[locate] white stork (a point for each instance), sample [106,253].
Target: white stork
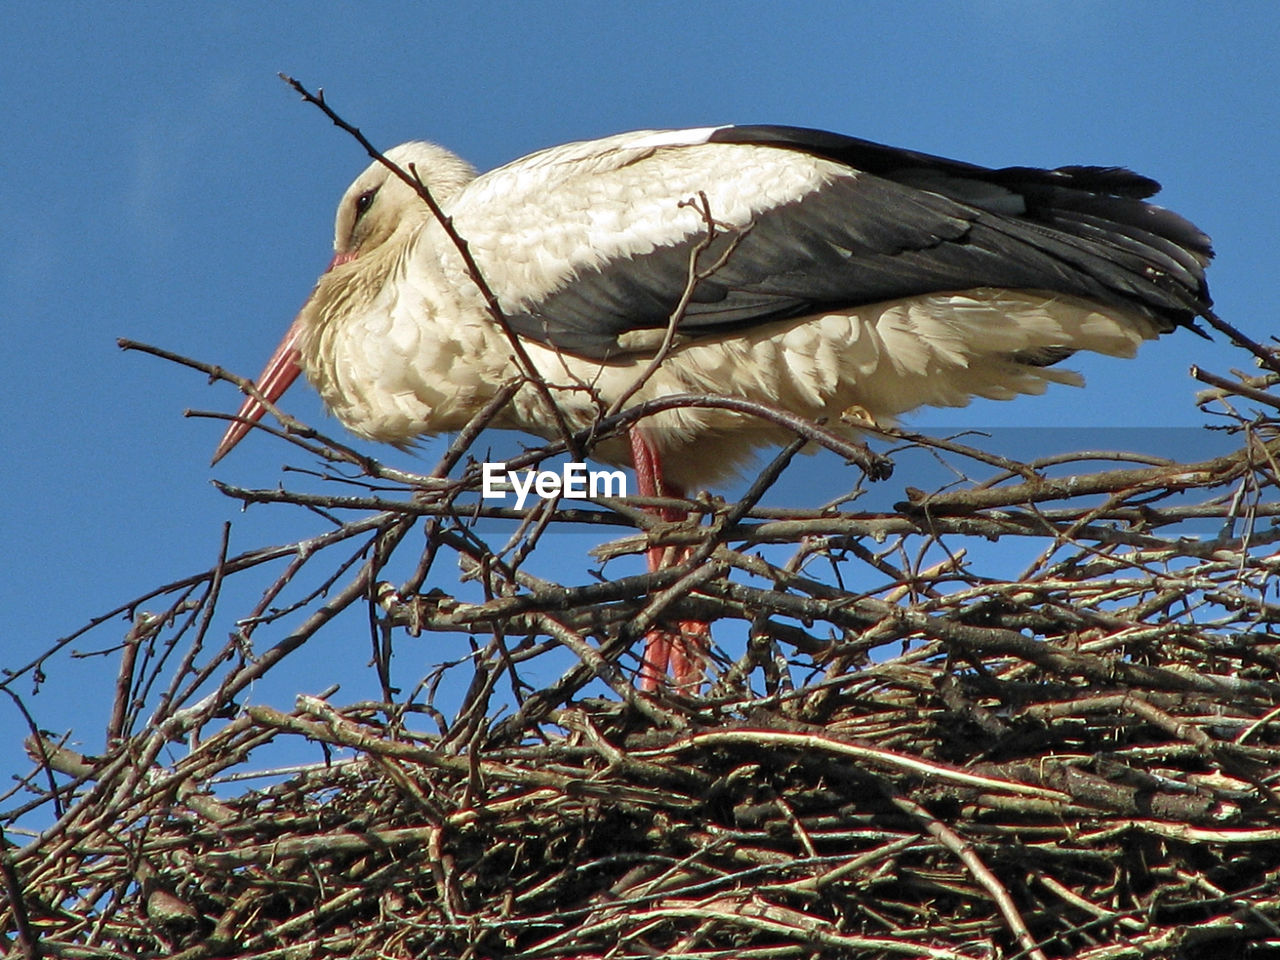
[861,278]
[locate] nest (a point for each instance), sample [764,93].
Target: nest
[1079,760]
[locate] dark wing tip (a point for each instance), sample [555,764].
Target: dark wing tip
[1116,181]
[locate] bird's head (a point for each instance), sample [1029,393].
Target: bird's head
[380,202]
[374,209]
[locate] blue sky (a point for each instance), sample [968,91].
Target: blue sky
[161,184]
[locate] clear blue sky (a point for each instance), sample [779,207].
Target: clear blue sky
[161,184]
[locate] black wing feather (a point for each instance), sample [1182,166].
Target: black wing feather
[909,224]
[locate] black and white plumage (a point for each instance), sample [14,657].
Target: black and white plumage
[864,278]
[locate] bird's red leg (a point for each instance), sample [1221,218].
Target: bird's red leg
[682,652]
[657,643]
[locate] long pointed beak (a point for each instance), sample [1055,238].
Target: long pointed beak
[278,375]
[280,372]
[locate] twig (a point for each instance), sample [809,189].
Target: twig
[695,276]
[980,871]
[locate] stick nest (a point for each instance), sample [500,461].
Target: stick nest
[1079,759]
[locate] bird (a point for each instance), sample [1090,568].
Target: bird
[833,277]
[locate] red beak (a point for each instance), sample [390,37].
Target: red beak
[280,372]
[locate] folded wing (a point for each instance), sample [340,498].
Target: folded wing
[590,242]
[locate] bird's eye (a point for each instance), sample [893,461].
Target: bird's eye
[364,202]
